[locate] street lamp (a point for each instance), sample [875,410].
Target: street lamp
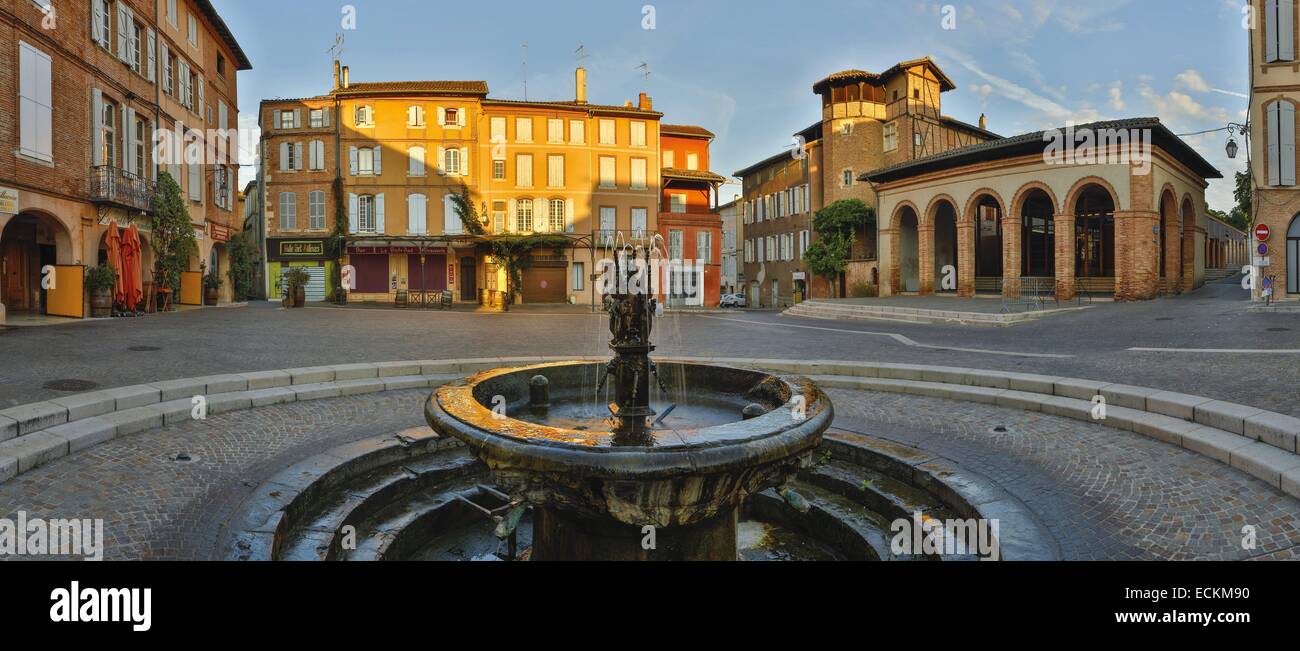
[1232,147]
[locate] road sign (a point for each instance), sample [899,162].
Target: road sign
[1262,248]
[1262,232]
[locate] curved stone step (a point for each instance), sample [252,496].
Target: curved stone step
[837,521]
[403,527]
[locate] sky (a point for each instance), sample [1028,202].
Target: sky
[745,69]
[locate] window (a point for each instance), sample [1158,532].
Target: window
[638,174]
[108,134]
[415,157]
[608,224]
[290,156]
[557,215]
[674,245]
[555,131]
[133,47]
[846,178]
[1281,143]
[524,170]
[193,30]
[916,93]
[316,210]
[137,149]
[171,12]
[704,246]
[498,170]
[577,132]
[555,171]
[579,276]
[366,217]
[891,137]
[692,161]
[450,117]
[498,216]
[606,132]
[803,243]
[316,118]
[916,139]
[221,65]
[35,103]
[417,214]
[288,211]
[668,158]
[638,133]
[498,129]
[524,215]
[415,117]
[677,203]
[524,129]
[102,27]
[364,116]
[451,161]
[638,223]
[365,157]
[607,172]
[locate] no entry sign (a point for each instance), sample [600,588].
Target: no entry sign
[1262,232]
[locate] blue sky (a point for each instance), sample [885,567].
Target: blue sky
[745,69]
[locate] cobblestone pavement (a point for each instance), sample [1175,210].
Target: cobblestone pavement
[1103,493]
[263,336]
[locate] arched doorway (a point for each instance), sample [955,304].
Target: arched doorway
[945,246]
[909,252]
[1168,210]
[1293,256]
[988,244]
[1038,235]
[29,243]
[1094,260]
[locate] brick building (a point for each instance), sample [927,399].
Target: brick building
[689,224]
[1275,98]
[106,76]
[731,254]
[398,151]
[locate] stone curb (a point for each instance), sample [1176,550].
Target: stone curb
[819,310]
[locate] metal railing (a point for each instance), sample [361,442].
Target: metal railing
[116,186]
[1033,294]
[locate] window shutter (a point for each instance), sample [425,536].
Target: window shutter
[1274,144]
[201,100]
[541,215]
[352,160]
[297,155]
[379,213]
[379,160]
[166,68]
[442,116]
[412,214]
[1285,30]
[284,157]
[325,117]
[353,205]
[568,215]
[464,161]
[510,217]
[442,157]
[97,22]
[129,136]
[1287,142]
[1270,30]
[123,19]
[152,59]
[450,219]
[460,117]
[153,157]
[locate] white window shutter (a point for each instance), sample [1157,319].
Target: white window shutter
[325,117]
[1274,144]
[379,160]
[202,102]
[128,140]
[464,161]
[153,55]
[460,117]
[97,22]
[442,158]
[123,19]
[284,157]
[541,214]
[1287,133]
[379,213]
[412,214]
[1285,30]
[442,116]
[297,118]
[354,204]
[352,160]
[297,155]
[96,124]
[153,155]
[568,215]
[510,217]
[1270,29]
[450,219]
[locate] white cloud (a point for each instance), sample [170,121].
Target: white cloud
[1053,113]
[1116,94]
[1191,80]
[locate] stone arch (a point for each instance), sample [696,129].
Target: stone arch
[968,214]
[934,204]
[986,250]
[1187,248]
[1018,200]
[1072,197]
[905,253]
[898,213]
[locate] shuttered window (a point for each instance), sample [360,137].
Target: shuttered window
[35,103]
[1279,26]
[316,210]
[288,211]
[1281,143]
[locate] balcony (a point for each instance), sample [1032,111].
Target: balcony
[115,187]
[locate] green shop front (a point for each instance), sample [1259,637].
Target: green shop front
[316,255]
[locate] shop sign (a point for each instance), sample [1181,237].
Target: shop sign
[219,233]
[302,248]
[8,201]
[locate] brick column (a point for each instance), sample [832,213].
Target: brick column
[1188,244]
[889,283]
[1011,256]
[1173,248]
[1065,252]
[966,258]
[925,251]
[1137,256]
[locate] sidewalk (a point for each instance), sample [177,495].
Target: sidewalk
[36,320]
[525,308]
[928,309]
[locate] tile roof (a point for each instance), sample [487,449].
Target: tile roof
[945,82]
[573,106]
[693,175]
[467,87]
[685,130]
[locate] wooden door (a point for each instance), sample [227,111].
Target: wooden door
[14,285]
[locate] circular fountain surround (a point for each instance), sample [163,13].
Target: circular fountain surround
[593,493]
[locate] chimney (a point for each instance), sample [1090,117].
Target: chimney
[627,104]
[580,85]
[643,102]
[336,74]
[984,122]
[345,76]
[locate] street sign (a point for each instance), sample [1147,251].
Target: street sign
[1262,232]
[1262,248]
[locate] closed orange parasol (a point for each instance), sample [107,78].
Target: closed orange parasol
[114,242]
[134,287]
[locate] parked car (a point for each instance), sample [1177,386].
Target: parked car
[732,300]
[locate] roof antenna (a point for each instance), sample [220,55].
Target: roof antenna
[525,49]
[336,50]
[581,53]
[645,67]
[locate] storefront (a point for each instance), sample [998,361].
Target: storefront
[412,272]
[312,253]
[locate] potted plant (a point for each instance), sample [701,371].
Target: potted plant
[211,285]
[100,280]
[295,280]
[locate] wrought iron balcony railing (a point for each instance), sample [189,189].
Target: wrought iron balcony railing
[117,187]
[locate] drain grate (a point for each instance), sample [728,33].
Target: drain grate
[70,385]
[1000,429]
[143,349]
[1279,329]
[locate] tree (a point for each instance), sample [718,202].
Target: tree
[172,235]
[837,225]
[514,254]
[243,265]
[470,217]
[1241,216]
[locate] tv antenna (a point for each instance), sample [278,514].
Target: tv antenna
[525,64]
[581,53]
[645,70]
[336,50]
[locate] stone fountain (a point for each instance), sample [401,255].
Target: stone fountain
[661,470]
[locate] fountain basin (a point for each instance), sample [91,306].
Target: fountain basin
[594,493]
